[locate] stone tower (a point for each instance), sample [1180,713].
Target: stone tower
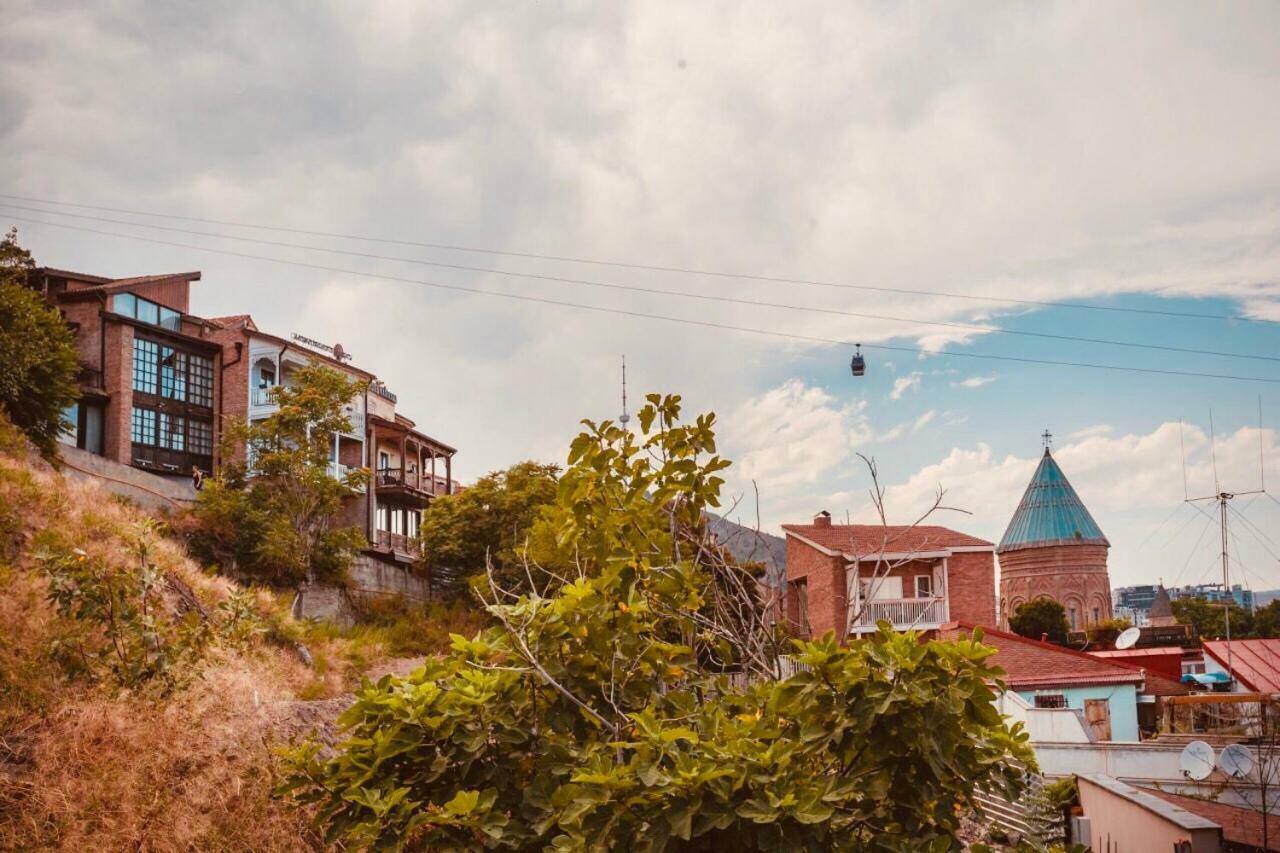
[1054,548]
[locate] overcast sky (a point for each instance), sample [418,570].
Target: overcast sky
[1121,155]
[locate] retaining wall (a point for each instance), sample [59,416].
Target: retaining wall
[149,491]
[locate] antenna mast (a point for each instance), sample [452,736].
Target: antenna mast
[1222,497]
[624,418]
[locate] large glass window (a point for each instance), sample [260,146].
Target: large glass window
[131,305]
[173,432]
[201,381]
[173,373]
[144,426]
[146,358]
[200,437]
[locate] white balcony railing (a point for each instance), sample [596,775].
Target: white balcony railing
[902,612]
[339,471]
[264,396]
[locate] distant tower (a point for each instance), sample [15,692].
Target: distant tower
[1053,548]
[1161,612]
[624,418]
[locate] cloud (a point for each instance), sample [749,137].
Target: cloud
[1128,482]
[792,435]
[903,384]
[923,420]
[974,381]
[1089,432]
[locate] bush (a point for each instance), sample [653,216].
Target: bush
[38,359]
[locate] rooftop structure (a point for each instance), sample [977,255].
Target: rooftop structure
[1054,549]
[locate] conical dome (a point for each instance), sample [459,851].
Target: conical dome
[1051,513]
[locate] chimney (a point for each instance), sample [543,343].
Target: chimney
[1044,637]
[822,519]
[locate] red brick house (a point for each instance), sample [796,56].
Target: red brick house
[150,373]
[847,577]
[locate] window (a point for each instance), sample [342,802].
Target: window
[144,426]
[384,460]
[146,367]
[125,303]
[201,380]
[1071,618]
[148,312]
[382,517]
[397,522]
[132,305]
[802,605]
[924,586]
[412,518]
[173,374]
[1097,616]
[200,437]
[170,319]
[886,587]
[1051,700]
[173,432]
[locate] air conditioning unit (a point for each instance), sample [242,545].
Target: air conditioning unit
[1081,831]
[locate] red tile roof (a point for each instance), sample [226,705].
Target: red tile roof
[865,539]
[1256,662]
[235,321]
[1030,664]
[1239,825]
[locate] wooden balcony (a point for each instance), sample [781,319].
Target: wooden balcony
[902,613]
[403,548]
[410,485]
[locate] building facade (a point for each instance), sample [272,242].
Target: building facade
[159,386]
[848,577]
[1054,549]
[149,370]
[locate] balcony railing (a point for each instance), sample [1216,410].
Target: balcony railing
[264,396]
[423,482]
[902,612]
[397,542]
[338,471]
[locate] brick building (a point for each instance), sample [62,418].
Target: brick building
[158,386]
[847,577]
[150,373]
[1054,549]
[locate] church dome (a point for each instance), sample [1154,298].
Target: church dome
[1051,513]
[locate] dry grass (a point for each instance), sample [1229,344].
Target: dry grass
[84,766]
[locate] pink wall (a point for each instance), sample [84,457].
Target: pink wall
[1125,820]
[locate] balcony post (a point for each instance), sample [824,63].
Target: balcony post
[448,475]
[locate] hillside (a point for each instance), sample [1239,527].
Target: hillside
[174,763]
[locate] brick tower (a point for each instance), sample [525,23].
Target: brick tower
[1054,548]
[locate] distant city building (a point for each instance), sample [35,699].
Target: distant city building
[1137,600]
[1054,549]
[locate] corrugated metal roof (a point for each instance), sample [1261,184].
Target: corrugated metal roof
[1256,662]
[1051,513]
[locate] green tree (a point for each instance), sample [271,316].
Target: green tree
[1209,618]
[273,516]
[1039,617]
[38,359]
[1266,621]
[488,520]
[626,705]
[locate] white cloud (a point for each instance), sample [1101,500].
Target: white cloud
[903,384]
[792,435]
[1090,432]
[923,420]
[974,381]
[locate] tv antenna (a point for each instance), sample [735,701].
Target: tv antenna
[1223,497]
[624,418]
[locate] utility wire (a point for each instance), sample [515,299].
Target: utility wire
[628,313]
[1192,552]
[658,291]
[656,267]
[1260,537]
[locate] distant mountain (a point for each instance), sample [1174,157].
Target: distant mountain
[748,545]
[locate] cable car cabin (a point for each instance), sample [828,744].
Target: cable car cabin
[858,364]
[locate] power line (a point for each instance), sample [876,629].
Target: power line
[655,267]
[641,314]
[659,291]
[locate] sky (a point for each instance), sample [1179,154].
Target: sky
[1123,156]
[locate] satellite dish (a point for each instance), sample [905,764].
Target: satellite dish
[1236,761]
[1196,760]
[1128,637]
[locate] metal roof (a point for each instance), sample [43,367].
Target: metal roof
[1051,513]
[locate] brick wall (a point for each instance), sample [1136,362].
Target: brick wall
[1073,575]
[824,576]
[117,375]
[973,587]
[89,332]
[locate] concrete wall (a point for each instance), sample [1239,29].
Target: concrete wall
[150,491]
[1122,701]
[368,578]
[1053,725]
[1125,820]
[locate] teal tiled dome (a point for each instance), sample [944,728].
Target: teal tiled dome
[1051,513]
